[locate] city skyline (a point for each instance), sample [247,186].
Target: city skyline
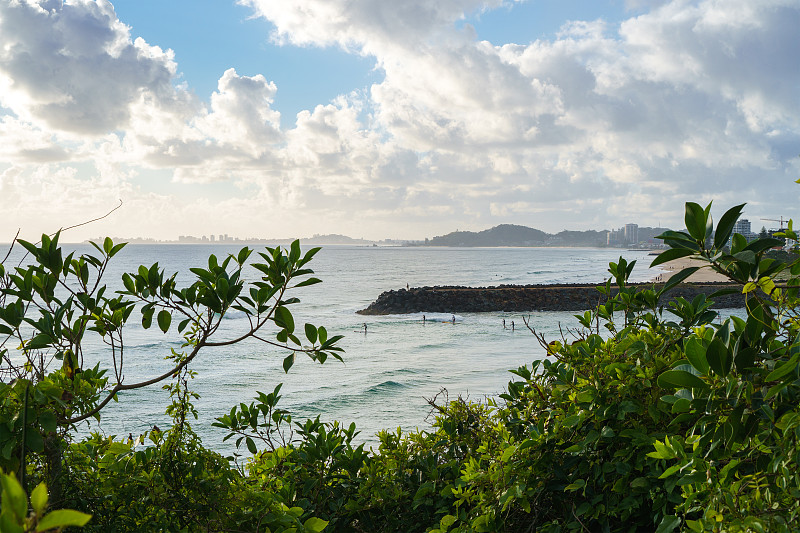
[393,120]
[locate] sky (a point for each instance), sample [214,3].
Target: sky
[402,120]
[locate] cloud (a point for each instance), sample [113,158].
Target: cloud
[22,143]
[365,25]
[241,115]
[603,124]
[73,67]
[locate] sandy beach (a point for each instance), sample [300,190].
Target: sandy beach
[704,275]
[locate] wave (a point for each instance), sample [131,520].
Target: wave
[403,371]
[386,386]
[148,345]
[234,314]
[384,389]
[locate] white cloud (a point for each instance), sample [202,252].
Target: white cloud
[72,66]
[241,115]
[365,25]
[686,101]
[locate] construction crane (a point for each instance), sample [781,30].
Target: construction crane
[782,221]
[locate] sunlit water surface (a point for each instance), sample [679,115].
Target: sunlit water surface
[387,373]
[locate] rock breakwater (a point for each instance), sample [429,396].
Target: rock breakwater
[568,297]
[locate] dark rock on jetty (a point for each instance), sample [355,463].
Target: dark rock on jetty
[574,297]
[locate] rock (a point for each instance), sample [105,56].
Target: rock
[574,297]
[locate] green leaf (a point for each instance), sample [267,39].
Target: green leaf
[679,379]
[314,524]
[164,320]
[294,252]
[775,389]
[244,253]
[9,525]
[668,523]
[722,292]
[311,333]
[309,281]
[726,224]
[63,518]
[784,369]
[14,498]
[34,441]
[288,362]
[447,521]
[696,354]
[745,358]
[127,280]
[718,357]
[747,256]
[48,422]
[759,245]
[670,471]
[251,446]
[507,453]
[283,318]
[678,239]
[147,317]
[670,255]
[39,499]
[577,485]
[675,279]
[695,219]
[116,248]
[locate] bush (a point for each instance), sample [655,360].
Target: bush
[647,417]
[666,421]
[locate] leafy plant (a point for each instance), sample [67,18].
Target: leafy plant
[17,516]
[50,308]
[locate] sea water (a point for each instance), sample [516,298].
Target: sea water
[388,372]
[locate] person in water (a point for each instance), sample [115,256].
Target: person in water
[365,327]
[423,319]
[504,323]
[454,319]
[512,325]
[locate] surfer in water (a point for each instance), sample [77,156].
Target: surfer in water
[365,328]
[454,319]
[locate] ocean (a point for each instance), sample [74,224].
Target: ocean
[389,372]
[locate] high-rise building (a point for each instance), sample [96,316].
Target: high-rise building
[631,233]
[742,227]
[615,236]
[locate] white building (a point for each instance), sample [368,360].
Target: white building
[742,227]
[631,233]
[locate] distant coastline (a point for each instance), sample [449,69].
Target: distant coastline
[504,235]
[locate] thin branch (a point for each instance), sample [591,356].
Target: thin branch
[120,387]
[90,221]
[11,247]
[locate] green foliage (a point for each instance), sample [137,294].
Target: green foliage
[649,417]
[51,308]
[17,516]
[666,421]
